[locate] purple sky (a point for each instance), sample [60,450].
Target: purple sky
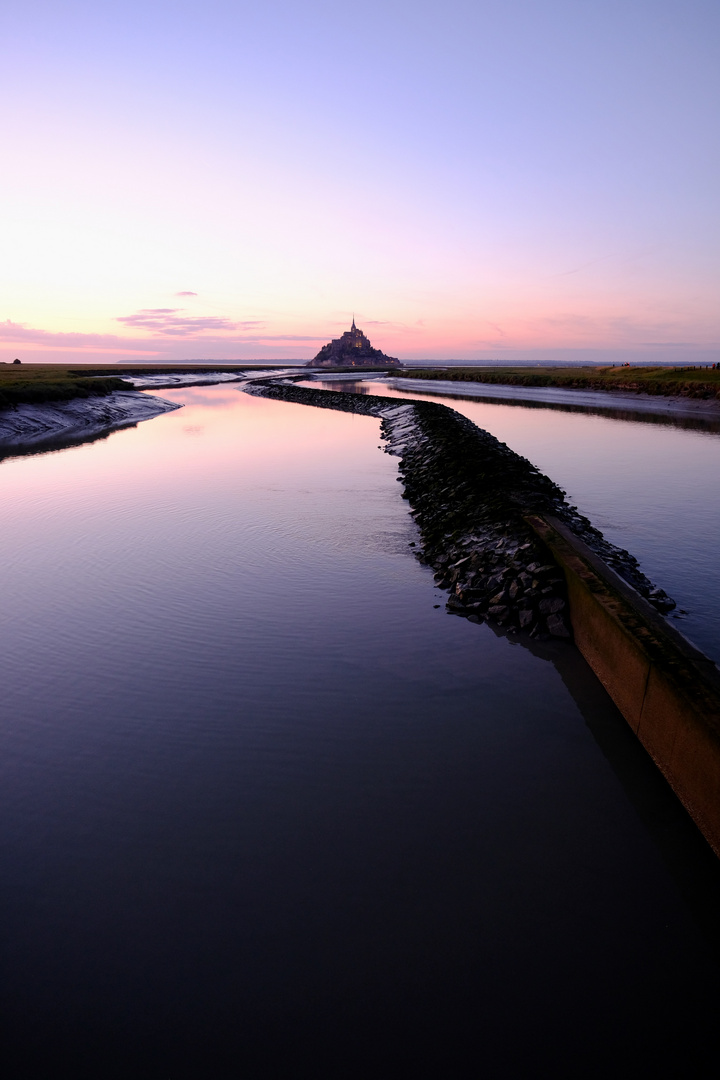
[472,180]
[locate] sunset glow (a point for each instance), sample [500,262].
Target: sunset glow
[471,181]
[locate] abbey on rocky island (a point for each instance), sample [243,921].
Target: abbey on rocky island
[352,350]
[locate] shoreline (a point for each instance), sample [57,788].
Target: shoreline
[685,383]
[587,400]
[51,425]
[41,426]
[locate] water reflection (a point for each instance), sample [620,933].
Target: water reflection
[576,401]
[651,488]
[706,422]
[52,445]
[266,809]
[693,866]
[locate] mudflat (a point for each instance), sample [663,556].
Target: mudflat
[696,382]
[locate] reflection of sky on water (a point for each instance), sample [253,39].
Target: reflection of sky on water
[635,406]
[249,770]
[651,488]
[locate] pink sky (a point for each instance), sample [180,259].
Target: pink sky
[534,181]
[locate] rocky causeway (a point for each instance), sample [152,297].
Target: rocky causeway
[470,496]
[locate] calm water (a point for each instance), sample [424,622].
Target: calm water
[267,811]
[653,488]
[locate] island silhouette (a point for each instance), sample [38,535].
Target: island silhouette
[352,349]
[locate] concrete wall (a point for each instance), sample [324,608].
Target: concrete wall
[667,690]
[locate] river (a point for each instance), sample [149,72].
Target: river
[268,810]
[650,482]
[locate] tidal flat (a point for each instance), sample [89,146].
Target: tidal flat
[688,381]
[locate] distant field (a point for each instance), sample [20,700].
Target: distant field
[696,382]
[35,383]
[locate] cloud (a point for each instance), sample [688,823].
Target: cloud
[213,333]
[287,337]
[673,344]
[173,323]
[26,335]
[188,293]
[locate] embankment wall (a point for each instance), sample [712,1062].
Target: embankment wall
[667,690]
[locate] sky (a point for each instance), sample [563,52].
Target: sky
[532,180]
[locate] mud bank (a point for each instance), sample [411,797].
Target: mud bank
[633,404]
[32,428]
[167,381]
[470,496]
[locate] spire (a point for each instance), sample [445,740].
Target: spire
[353,327]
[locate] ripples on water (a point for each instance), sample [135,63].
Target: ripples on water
[266,808]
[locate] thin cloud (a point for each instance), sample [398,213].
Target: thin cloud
[674,344]
[186,293]
[288,337]
[247,332]
[172,322]
[17,333]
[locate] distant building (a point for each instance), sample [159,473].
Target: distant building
[352,350]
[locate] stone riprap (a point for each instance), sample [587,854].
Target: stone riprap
[470,495]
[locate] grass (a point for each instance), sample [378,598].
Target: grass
[695,382]
[36,383]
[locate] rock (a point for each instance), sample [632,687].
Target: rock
[551,606]
[469,497]
[557,627]
[454,604]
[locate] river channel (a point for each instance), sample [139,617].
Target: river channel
[267,810]
[649,481]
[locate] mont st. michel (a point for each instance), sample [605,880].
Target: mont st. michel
[353,349]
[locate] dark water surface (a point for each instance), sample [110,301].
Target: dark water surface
[650,483]
[266,811]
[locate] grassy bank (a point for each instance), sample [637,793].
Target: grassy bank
[37,383]
[695,382]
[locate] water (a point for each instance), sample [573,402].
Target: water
[651,484]
[266,810]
